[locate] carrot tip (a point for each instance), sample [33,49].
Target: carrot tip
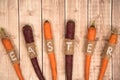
[27,25]
[46,21]
[71,21]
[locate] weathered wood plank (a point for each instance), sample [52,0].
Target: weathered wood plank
[30,13]
[53,10]
[16,13]
[116,24]
[77,10]
[100,11]
[9,21]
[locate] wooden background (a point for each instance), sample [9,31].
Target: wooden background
[15,13]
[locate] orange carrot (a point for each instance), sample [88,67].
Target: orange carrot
[50,48]
[47,31]
[18,71]
[10,50]
[103,68]
[91,41]
[108,53]
[87,66]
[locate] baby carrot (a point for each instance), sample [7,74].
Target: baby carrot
[108,53]
[90,48]
[11,52]
[50,48]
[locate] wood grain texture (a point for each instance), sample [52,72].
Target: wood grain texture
[9,21]
[53,11]
[30,13]
[14,14]
[116,24]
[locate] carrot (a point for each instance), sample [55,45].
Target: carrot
[91,38]
[91,33]
[30,45]
[53,65]
[50,48]
[7,44]
[10,50]
[108,53]
[87,66]
[18,71]
[69,48]
[47,30]
[103,68]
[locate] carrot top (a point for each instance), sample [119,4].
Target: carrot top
[2,32]
[91,32]
[47,30]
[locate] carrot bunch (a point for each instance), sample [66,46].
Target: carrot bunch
[90,48]
[108,53]
[50,48]
[11,52]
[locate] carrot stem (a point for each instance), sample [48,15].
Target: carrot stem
[87,66]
